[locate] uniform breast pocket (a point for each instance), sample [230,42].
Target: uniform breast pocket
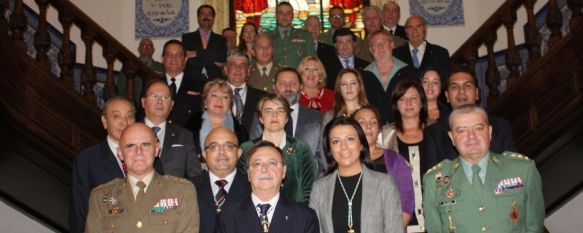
[112,223]
[510,205]
[164,222]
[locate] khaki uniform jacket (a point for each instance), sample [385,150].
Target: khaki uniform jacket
[257,82]
[169,205]
[511,199]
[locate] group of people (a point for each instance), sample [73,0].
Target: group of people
[295,130]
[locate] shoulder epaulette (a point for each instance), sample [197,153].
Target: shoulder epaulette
[176,179]
[514,155]
[439,165]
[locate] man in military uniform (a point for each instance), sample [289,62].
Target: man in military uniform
[291,45]
[143,201]
[336,19]
[481,191]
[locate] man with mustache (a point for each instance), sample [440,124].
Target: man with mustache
[246,97]
[266,210]
[222,185]
[206,51]
[462,89]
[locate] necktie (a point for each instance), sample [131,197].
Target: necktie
[263,208]
[221,194]
[141,193]
[264,74]
[156,129]
[347,63]
[238,103]
[414,57]
[476,181]
[289,126]
[284,33]
[173,86]
[205,39]
[391,31]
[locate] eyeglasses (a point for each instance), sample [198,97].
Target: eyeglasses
[214,147]
[147,46]
[271,111]
[155,97]
[336,16]
[233,65]
[269,164]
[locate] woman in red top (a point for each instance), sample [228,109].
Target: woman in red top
[314,95]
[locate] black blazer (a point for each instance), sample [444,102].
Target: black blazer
[400,31]
[195,123]
[216,51]
[188,99]
[250,108]
[93,166]
[289,217]
[381,98]
[325,51]
[442,147]
[434,56]
[178,155]
[239,190]
[333,66]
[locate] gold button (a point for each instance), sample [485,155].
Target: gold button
[484,228]
[139,224]
[165,221]
[482,209]
[112,225]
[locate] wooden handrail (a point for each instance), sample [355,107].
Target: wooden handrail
[91,34]
[506,16]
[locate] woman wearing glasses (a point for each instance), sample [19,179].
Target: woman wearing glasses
[274,112]
[353,198]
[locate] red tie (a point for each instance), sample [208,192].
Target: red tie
[205,39]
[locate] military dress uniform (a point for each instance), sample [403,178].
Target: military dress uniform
[290,50]
[510,200]
[169,205]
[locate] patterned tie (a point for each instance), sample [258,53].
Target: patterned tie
[414,57]
[263,208]
[156,129]
[141,193]
[173,86]
[289,126]
[238,103]
[205,39]
[476,181]
[347,63]
[221,194]
[264,73]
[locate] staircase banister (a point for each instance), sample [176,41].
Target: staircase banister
[494,22]
[102,37]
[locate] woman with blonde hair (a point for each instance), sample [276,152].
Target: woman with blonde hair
[314,94]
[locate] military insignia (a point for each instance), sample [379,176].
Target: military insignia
[446,180]
[450,193]
[116,210]
[514,212]
[450,225]
[165,204]
[290,150]
[508,184]
[298,40]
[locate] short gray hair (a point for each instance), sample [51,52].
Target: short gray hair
[237,53]
[466,109]
[116,98]
[373,8]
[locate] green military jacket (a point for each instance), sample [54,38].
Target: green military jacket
[169,205]
[511,199]
[291,50]
[327,37]
[301,170]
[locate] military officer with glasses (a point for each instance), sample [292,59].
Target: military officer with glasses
[274,112]
[220,186]
[266,210]
[336,18]
[481,191]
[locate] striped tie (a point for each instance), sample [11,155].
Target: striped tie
[221,194]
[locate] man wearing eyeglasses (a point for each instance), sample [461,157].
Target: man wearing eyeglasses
[177,154]
[222,185]
[245,97]
[336,19]
[266,210]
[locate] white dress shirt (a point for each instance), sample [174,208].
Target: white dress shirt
[161,133]
[420,52]
[178,81]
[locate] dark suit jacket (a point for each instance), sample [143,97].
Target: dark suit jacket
[324,50]
[93,166]
[216,51]
[289,217]
[253,96]
[178,154]
[333,65]
[239,190]
[380,98]
[187,100]
[435,56]
[195,123]
[400,31]
[442,147]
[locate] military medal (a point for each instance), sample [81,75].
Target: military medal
[450,225]
[438,180]
[446,180]
[514,212]
[349,199]
[450,193]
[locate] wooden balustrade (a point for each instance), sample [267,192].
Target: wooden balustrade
[91,34]
[506,16]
